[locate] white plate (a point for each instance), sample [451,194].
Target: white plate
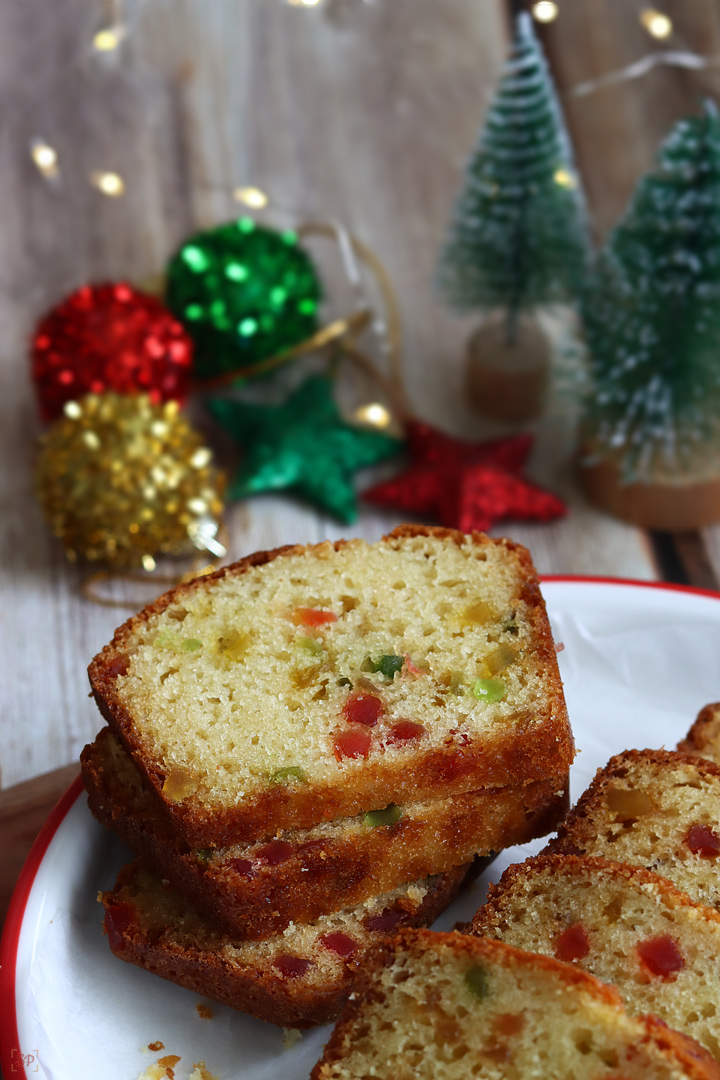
[639,662]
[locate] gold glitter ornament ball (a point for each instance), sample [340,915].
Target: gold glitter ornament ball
[121,480]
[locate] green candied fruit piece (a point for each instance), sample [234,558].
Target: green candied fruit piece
[167,639]
[192,644]
[288,772]
[311,645]
[489,690]
[388,665]
[204,855]
[476,980]
[388,816]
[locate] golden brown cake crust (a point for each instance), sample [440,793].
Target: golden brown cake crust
[533,751]
[315,876]
[704,736]
[578,832]
[692,1058]
[254,988]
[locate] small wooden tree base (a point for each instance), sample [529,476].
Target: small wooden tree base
[669,507]
[508,379]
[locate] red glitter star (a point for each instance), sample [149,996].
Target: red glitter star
[466,485]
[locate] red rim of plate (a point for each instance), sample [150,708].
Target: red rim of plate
[9,1037]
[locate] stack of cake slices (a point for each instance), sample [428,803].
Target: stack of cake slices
[598,958]
[308,749]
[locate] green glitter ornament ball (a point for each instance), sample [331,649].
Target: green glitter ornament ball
[244,293]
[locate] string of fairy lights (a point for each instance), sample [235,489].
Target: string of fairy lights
[108,40]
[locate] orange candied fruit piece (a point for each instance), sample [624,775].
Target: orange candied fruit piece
[572,944]
[314,617]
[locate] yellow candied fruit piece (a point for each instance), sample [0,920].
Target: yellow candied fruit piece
[233,645]
[178,785]
[629,803]
[499,660]
[479,613]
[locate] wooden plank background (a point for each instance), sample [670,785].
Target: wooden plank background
[350,111]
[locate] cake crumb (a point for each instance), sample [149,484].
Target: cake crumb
[203,1011]
[291,1036]
[155,1046]
[201,1072]
[156,1072]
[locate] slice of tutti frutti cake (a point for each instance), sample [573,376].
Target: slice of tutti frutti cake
[311,683]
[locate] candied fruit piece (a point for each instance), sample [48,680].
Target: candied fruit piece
[291,967]
[363,709]
[509,1024]
[341,944]
[703,841]
[288,772]
[388,665]
[119,917]
[233,645]
[405,730]
[386,921]
[572,944]
[244,867]
[314,617]
[661,956]
[310,645]
[389,816]
[412,668]
[117,666]
[178,784]
[490,690]
[276,852]
[191,644]
[500,659]
[352,744]
[477,614]
[476,980]
[629,803]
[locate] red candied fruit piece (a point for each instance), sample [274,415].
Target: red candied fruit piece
[386,921]
[118,918]
[242,866]
[405,730]
[276,852]
[291,967]
[117,666]
[352,744]
[661,956]
[307,616]
[703,841]
[363,709]
[340,943]
[572,944]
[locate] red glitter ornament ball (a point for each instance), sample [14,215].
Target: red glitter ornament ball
[109,337]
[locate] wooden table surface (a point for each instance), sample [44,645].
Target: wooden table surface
[352,111]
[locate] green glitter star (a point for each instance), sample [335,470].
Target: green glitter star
[303,445]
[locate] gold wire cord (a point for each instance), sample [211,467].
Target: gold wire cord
[392,310]
[332,332]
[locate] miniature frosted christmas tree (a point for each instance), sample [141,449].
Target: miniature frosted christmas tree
[518,238]
[652,320]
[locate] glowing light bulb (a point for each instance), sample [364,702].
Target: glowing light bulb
[656,24]
[109,183]
[251,196]
[45,158]
[109,39]
[564,178]
[375,414]
[545,11]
